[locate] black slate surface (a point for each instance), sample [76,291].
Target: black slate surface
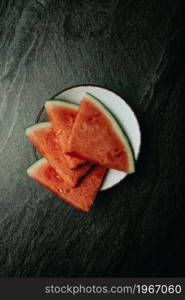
[136,48]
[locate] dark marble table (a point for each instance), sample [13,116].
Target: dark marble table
[136,48]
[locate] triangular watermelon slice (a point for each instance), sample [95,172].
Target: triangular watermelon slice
[81,196]
[96,136]
[44,139]
[62,115]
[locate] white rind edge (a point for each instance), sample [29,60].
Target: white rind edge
[37,126]
[35,166]
[62,103]
[116,126]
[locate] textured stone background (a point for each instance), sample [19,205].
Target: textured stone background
[136,48]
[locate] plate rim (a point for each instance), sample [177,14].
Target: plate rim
[109,90]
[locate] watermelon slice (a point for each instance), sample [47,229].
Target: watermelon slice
[62,115]
[96,136]
[81,196]
[43,138]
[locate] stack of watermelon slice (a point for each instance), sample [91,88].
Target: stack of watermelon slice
[78,145]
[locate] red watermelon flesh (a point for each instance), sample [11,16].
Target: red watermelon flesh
[96,136]
[82,196]
[43,138]
[62,115]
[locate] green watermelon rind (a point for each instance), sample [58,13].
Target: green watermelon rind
[30,170]
[62,103]
[118,128]
[37,126]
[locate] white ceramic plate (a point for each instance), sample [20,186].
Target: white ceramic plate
[118,107]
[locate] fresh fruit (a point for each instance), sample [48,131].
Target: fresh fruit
[44,139]
[62,115]
[97,136]
[81,196]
